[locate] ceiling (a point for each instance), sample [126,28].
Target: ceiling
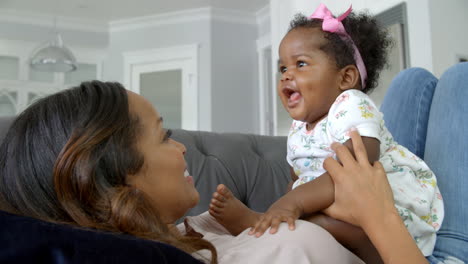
[110,10]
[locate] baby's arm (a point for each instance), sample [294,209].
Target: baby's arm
[293,179]
[307,198]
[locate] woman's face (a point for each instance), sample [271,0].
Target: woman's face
[162,176]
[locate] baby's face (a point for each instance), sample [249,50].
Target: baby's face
[310,80]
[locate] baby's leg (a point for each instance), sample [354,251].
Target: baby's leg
[350,236]
[230,212]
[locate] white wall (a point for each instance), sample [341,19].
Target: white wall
[160,37]
[449,20]
[419,28]
[263,21]
[234,77]
[436,29]
[419,24]
[40,34]
[227,82]
[228,93]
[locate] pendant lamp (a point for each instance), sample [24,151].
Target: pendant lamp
[53,56]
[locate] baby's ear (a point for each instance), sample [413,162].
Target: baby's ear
[350,78]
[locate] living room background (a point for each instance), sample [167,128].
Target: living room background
[232,46]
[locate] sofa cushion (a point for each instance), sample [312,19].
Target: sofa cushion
[254,167]
[28,240]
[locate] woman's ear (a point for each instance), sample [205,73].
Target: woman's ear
[350,78]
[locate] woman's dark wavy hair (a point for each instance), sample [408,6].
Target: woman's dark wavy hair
[66,159]
[370,38]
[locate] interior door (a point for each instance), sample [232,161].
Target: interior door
[164,90]
[170,87]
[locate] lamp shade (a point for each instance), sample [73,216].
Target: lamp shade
[53,57]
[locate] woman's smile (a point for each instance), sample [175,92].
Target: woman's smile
[188,177]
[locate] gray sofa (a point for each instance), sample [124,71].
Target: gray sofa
[254,167]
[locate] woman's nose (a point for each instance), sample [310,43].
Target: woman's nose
[179,146]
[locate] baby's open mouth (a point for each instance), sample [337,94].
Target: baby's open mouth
[292,95]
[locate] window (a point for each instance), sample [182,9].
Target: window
[9,68]
[394,19]
[8,102]
[39,76]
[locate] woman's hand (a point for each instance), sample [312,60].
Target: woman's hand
[362,191]
[364,198]
[280,211]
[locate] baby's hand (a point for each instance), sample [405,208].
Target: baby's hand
[276,214]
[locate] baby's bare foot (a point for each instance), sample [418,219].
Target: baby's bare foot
[230,212]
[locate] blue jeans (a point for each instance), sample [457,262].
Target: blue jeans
[417,102]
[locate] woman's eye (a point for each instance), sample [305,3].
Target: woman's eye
[282,69]
[301,64]
[168,134]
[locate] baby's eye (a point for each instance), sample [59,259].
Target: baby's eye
[282,69]
[167,136]
[301,64]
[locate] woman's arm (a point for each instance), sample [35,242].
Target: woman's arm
[364,198]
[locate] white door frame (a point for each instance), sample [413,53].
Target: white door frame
[184,58]
[266,105]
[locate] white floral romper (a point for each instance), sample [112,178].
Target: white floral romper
[417,197]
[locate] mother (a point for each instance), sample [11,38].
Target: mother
[73,157]
[97,156]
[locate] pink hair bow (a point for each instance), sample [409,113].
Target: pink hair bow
[334,25]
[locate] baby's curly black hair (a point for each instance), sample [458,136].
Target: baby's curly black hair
[370,38]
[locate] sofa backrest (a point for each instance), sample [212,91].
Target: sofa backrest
[254,167]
